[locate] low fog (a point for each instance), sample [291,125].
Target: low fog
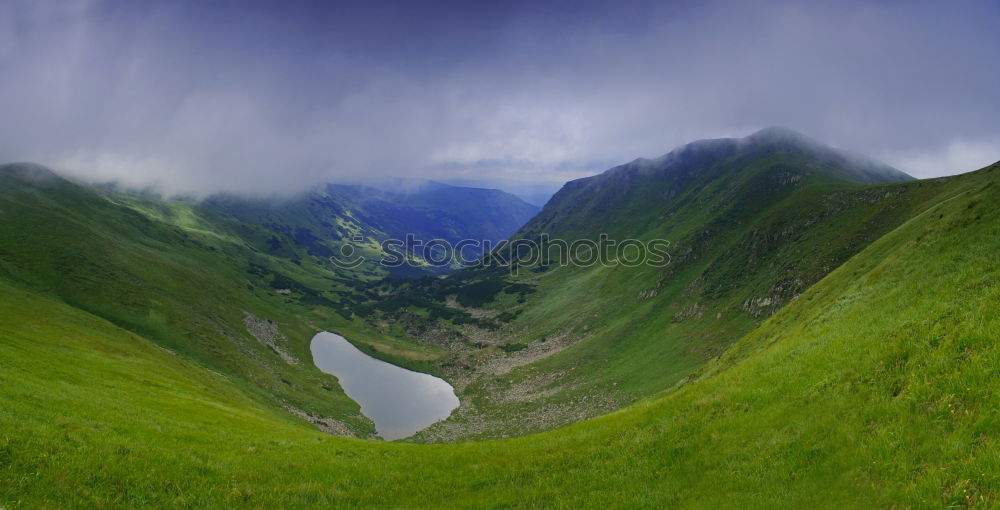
[189,97]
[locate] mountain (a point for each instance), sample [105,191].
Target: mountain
[205,288]
[875,386]
[235,297]
[535,193]
[754,168]
[323,220]
[751,223]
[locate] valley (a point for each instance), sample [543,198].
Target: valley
[568,343]
[499,255]
[826,324]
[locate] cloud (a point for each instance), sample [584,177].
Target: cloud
[955,157]
[200,97]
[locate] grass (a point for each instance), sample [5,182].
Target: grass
[742,233]
[183,280]
[876,387]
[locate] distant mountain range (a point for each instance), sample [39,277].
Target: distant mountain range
[326,218]
[535,193]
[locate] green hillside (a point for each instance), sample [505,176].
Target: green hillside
[752,223]
[197,285]
[876,387]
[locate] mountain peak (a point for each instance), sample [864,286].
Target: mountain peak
[28,171]
[851,165]
[31,175]
[779,133]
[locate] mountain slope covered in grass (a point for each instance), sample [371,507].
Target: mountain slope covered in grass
[199,285]
[751,223]
[876,387]
[750,171]
[230,283]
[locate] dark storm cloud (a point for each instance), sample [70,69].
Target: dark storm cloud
[203,96]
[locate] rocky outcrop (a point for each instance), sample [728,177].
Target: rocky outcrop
[267,333]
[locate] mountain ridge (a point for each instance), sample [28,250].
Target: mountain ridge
[751,225]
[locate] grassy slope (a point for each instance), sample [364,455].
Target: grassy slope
[639,347]
[164,271]
[877,387]
[740,230]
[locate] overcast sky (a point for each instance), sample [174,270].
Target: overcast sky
[203,96]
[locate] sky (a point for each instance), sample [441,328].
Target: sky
[271,97]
